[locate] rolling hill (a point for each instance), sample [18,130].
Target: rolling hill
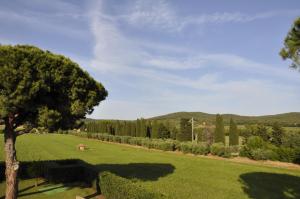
[286,119]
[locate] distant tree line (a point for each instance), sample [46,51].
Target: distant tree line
[138,128]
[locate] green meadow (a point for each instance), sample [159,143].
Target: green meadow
[177,176]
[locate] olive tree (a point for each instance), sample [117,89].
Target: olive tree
[38,87]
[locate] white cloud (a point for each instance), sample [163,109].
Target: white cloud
[161,15]
[159,75]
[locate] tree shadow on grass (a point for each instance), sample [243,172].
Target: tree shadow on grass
[75,170]
[260,185]
[138,171]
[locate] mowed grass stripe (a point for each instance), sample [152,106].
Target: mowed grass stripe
[192,177]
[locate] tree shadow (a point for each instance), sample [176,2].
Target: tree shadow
[138,171]
[260,185]
[77,173]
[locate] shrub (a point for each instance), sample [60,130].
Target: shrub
[116,187]
[217,149]
[286,154]
[165,145]
[200,149]
[186,147]
[133,141]
[125,139]
[117,139]
[263,154]
[145,142]
[291,139]
[255,142]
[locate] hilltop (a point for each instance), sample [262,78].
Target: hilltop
[287,119]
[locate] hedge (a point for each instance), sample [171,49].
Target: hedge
[116,187]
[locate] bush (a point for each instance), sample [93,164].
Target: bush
[286,154]
[200,149]
[218,149]
[186,147]
[145,142]
[255,142]
[263,154]
[116,187]
[291,139]
[117,139]
[125,139]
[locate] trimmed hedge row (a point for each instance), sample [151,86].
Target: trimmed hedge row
[116,187]
[201,148]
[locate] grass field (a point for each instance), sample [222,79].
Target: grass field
[176,175]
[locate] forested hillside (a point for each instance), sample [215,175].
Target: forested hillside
[286,119]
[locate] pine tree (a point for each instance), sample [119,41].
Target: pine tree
[233,133]
[219,131]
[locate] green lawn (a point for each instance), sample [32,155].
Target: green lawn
[178,176]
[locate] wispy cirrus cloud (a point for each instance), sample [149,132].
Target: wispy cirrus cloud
[161,15]
[162,73]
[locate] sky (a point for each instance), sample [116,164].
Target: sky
[157,56]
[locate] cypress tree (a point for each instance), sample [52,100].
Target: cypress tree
[185,133]
[219,131]
[163,132]
[277,134]
[233,133]
[138,128]
[154,133]
[133,129]
[143,132]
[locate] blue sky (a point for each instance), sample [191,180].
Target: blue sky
[156,57]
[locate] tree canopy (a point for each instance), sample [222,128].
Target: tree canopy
[46,89]
[291,49]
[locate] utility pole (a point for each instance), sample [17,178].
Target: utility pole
[192,120]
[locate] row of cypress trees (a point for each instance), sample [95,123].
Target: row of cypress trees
[138,128]
[220,131]
[158,129]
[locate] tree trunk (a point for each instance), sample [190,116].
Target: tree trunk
[12,165]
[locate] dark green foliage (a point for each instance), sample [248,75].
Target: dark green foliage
[291,48]
[291,139]
[185,133]
[286,119]
[286,154]
[217,149]
[116,187]
[219,131]
[255,142]
[233,134]
[263,154]
[277,134]
[138,128]
[38,84]
[154,132]
[262,131]
[195,148]
[163,131]
[174,131]
[143,132]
